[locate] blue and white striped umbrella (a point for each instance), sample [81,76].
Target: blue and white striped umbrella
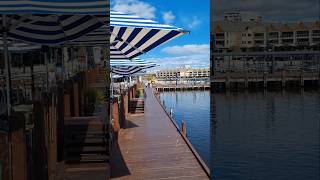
[130,35]
[134,36]
[53,7]
[53,21]
[127,67]
[48,22]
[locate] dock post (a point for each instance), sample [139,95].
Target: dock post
[265,82]
[163,104]
[301,79]
[227,81]
[184,129]
[283,81]
[171,111]
[246,84]
[319,80]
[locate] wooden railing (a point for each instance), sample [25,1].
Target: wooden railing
[120,109]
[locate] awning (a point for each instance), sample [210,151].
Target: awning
[125,67]
[130,35]
[48,22]
[134,36]
[97,7]
[52,22]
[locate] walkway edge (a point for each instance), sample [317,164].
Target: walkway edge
[193,150]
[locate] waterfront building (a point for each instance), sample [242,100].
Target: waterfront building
[254,44]
[233,34]
[183,73]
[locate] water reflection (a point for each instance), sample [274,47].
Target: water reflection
[259,135]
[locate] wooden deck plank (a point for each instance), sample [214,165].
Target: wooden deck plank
[152,148]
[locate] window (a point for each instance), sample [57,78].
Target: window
[258,42]
[287,41]
[287,34]
[316,40]
[316,33]
[258,34]
[302,33]
[219,35]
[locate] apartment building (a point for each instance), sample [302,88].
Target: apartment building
[235,35]
[254,45]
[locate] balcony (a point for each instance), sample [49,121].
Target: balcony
[316,33]
[286,35]
[302,34]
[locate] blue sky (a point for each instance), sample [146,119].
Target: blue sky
[191,49]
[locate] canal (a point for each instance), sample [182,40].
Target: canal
[253,135]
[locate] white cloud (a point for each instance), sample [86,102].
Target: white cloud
[168,17]
[194,23]
[189,49]
[139,8]
[195,61]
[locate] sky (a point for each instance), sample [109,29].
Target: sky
[270,10]
[190,49]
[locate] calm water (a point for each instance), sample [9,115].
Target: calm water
[254,135]
[194,108]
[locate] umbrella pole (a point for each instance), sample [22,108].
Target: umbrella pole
[111,85]
[8,84]
[7,65]
[46,62]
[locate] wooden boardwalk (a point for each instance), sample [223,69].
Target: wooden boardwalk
[152,148]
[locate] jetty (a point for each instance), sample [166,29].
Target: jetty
[281,79]
[182,87]
[151,146]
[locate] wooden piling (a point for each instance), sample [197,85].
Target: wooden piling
[301,79]
[184,128]
[283,81]
[319,80]
[227,80]
[265,82]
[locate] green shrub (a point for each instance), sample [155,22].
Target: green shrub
[94,98]
[138,94]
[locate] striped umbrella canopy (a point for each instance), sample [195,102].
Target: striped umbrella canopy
[130,35]
[125,67]
[134,36]
[52,21]
[48,22]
